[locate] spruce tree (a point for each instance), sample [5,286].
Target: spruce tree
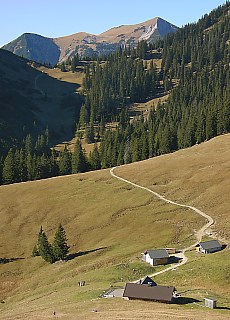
[95,160]
[89,132]
[53,164]
[84,117]
[16,165]
[60,247]
[28,144]
[78,159]
[22,166]
[44,247]
[8,173]
[65,162]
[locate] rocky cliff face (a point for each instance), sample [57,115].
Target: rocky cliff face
[46,50]
[35,47]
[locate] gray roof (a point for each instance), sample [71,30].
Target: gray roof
[158,254]
[156,293]
[210,244]
[210,299]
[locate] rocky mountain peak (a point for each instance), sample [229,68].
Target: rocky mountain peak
[47,50]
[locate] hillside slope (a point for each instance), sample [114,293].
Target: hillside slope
[197,176]
[106,223]
[31,100]
[48,50]
[34,47]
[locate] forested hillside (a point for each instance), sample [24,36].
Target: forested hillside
[122,78]
[198,55]
[35,111]
[194,69]
[198,108]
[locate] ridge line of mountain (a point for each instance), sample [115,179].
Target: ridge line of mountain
[50,50]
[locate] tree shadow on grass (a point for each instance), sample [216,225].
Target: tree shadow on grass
[8,260]
[72,256]
[222,308]
[185,300]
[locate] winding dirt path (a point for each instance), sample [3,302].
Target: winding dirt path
[199,234]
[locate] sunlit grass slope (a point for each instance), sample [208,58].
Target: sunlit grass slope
[199,176]
[109,223]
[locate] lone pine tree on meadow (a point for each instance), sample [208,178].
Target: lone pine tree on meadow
[60,246]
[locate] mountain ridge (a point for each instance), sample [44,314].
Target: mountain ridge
[53,50]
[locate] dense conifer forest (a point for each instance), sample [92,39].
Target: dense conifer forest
[198,107]
[195,69]
[121,79]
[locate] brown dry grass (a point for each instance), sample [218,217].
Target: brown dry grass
[99,212]
[110,309]
[72,77]
[198,175]
[145,107]
[70,145]
[85,145]
[128,30]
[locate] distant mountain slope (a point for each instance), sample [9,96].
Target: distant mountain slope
[35,47]
[148,30]
[41,49]
[30,100]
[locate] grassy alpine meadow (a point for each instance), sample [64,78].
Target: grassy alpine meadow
[202,276]
[71,77]
[196,176]
[108,224]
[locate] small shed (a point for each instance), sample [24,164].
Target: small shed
[171,250]
[209,246]
[210,303]
[156,257]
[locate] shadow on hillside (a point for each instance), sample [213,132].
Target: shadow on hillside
[47,86]
[8,260]
[222,308]
[185,300]
[72,256]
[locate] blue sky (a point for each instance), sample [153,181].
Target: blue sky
[54,18]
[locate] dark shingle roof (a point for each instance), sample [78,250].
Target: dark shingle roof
[148,280]
[158,254]
[210,244]
[156,293]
